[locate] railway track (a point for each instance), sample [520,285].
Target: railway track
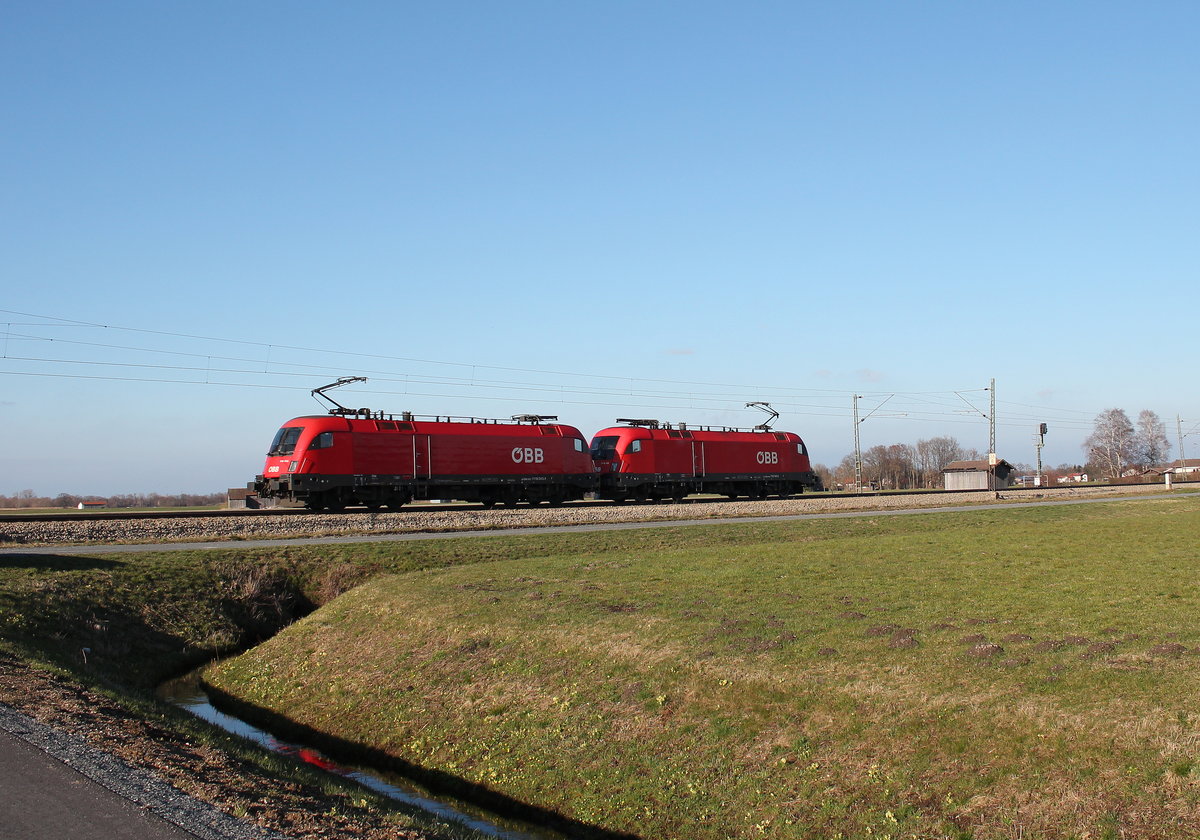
[422,507]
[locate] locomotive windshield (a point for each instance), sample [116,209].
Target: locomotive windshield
[604,447]
[285,441]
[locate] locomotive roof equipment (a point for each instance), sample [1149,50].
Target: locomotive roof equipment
[339,409]
[765,426]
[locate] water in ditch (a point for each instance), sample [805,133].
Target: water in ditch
[187,693]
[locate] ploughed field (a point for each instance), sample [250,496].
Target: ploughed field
[992,674]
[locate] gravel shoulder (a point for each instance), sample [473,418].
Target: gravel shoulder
[51,802]
[207,790]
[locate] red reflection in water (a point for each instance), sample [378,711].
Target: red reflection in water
[314,757]
[310,756]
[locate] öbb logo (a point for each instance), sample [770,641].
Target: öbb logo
[768,457]
[528,455]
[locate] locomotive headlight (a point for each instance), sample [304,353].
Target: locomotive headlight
[292,466]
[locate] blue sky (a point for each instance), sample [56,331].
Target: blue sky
[592,210]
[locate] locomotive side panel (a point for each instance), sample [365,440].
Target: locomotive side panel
[744,454]
[383,452]
[507,451]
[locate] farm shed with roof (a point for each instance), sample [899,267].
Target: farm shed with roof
[977,475]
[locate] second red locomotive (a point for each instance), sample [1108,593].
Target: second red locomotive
[647,460]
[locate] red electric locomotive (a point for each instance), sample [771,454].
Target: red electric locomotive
[648,460]
[356,456]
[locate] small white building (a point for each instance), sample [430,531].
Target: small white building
[977,475]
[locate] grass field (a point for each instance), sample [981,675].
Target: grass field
[999,674]
[996,674]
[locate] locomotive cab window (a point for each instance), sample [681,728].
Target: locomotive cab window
[322,441]
[604,447]
[634,446]
[800,448]
[285,441]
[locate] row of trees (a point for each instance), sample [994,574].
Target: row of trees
[1117,446]
[900,466]
[27,499]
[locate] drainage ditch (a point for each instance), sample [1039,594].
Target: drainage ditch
[187,693]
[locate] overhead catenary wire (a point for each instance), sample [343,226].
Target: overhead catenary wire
[292,367]
[695,392]
[272,346]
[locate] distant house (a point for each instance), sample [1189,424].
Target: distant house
[977,475]
[1073,478]
[1187,465]
[90,505]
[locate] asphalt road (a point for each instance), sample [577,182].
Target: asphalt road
[53,786]
[44,798]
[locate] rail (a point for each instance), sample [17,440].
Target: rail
[417,508]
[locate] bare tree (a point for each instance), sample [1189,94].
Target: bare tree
[933,455]
[843,473]
[891,467]
[825,474]
[1110,446]
[1151,446]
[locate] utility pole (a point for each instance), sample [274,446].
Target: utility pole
[857,445]
[992,419]
[1179,431]
[993,460]
[857,449]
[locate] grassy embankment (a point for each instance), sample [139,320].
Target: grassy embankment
[118,625]
[1024,673]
